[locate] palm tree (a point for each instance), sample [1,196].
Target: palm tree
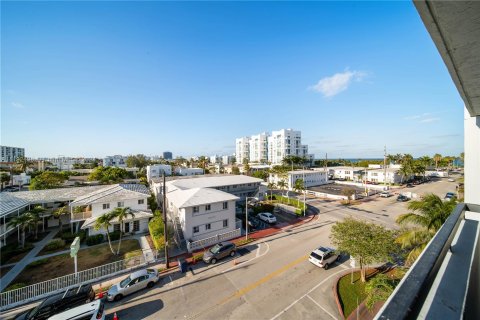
[36,217]
[22,163]
[61,211]
[22,221]
[103,222]
[282,184]
[437,157]
[271,186]
[405,171]
[298,187]
[121,214]
[428,215]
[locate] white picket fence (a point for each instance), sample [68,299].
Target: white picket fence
[37,291]
[194,245]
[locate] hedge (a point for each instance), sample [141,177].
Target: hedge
[69,237]
[93,240]
[55,244]
[114,236]
[155,226]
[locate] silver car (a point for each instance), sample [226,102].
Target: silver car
[138,280]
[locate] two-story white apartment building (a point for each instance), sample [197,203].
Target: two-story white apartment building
[310,178]
[346,173]
[189,171]
[156,170]
[393,176]
[203,212]
[85,210]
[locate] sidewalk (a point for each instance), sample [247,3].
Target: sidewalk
[19,266]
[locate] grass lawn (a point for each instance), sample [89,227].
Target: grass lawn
[61,265]
[44,251]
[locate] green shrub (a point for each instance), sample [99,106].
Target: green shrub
[15,286]
[93,240]
[244,241]
[38,263]
[264,207]
[114,236]
[69,237]
[55,244]
[155,226]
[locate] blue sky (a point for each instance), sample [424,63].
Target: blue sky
[103,78]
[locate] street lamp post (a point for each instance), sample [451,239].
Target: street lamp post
[246,215]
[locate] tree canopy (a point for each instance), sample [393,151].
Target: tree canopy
[47,180]
[108,174]
[366,242]
[138,161]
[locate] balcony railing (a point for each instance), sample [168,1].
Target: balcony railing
[81,215]
[444,281]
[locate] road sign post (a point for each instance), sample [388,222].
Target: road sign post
[74,247]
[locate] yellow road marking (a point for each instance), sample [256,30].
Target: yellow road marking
[239,293]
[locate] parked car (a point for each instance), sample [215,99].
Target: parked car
[385,194]
[60,302]
[409,185]
[138,280]
[90,311]
[219,251]
[402,198]
[449,196]
[267,217]
[253,222]
[323,257]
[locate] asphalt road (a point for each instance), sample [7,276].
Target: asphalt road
[272,279]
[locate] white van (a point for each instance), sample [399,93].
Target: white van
[92,310]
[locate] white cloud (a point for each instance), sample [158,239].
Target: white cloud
[331,86]
[17,105]
[426,120]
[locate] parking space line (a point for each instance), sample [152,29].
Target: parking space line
[331,315]
[310,291]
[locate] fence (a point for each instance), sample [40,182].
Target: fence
[191,246]
[37,291]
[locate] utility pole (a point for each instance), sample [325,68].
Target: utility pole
[385,165]
[164,209]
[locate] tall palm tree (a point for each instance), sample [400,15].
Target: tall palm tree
[23,222]
[121,214]
[59,213]
[427,215]
[271,186]
[437,158]
[282,184]
[103,222]
[298,187]
[36,217]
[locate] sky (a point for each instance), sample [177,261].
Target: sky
[94,79]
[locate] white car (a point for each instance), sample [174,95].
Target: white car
[267,217]
[385,194]
[92,310]
[138,280]
[323,257]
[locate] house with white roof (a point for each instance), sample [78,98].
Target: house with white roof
[156,171]
[86,209]
[202,212]
[309,177]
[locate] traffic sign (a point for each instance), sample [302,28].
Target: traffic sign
[74,247]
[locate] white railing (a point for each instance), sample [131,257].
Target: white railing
[13,298]
[194,245]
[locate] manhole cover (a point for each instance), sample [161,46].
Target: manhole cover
[243,251]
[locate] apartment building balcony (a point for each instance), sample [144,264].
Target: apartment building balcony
[79,216]
[444,281]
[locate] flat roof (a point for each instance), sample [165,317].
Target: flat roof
[198,196]
[212,181]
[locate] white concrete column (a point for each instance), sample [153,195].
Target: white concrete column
[472,158]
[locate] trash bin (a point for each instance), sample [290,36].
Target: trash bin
[182,265]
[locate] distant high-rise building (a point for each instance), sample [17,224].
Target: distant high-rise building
[242,149]
[167,155]
[10,154]
[115,161]
[273,148]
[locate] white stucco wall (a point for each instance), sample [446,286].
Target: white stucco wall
[97,208]
[472,158]
[214,217]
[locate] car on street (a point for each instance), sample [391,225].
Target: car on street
[90,311]
[449,196]
[323,257]
[385,194]
[219,251]
[137,280]
[60,302]
[402,198]
[267,217]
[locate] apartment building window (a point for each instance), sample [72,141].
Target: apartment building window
[225,223]
[225,205]
[106,206]
[196,229]
[195,210]
[207,207]
[116,227]
[136,226]
[141,201]
[234,186]
[120,204]
[208,226]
